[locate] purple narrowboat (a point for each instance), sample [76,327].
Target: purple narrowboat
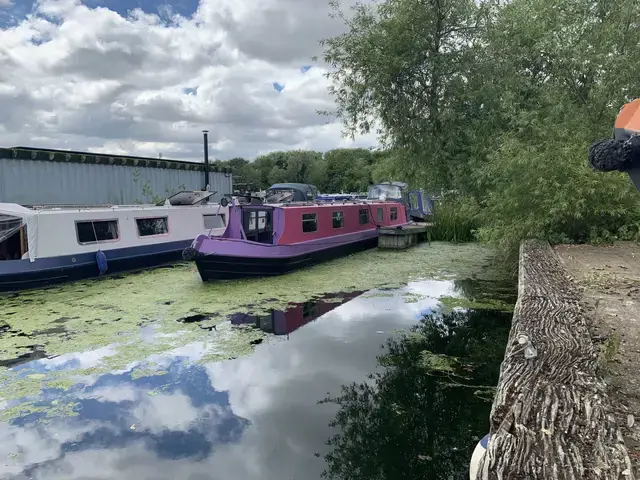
[264,239]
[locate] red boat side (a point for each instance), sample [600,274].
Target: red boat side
[337,219]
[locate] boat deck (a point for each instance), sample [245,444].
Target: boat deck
[403,236]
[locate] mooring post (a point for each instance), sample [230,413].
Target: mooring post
[206,158]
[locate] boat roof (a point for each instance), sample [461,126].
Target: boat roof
[394,184]
[189,199]
[337,203]
[66,209]
[14,210]
[294,186]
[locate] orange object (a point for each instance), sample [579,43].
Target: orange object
[628,120]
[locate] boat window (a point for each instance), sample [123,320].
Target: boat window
[148,227]
[394,213]
[214,221]
[13,238]
[309,309]
[338,219]
[413,200]
[384,192]
[364,216]
[252,222]
[279,195]
[262,220]
[309,222]
[95,231]
[380,214]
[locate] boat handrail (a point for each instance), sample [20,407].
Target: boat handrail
[55,206]
[320,203]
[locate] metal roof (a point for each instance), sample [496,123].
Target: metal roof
[53,155]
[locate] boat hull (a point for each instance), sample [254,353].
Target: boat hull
[17,275]
[214,266]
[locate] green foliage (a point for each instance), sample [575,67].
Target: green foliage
[561,198]
[456,219]
[348,170]
[409,64]
[345,169]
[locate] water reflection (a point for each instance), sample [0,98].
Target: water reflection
[257,417]
[421,416]
[284,322]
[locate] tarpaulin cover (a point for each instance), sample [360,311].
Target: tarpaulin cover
[12,217]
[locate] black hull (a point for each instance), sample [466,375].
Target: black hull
[26,280]
[221,267]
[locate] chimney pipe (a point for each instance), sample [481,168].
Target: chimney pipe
[206,158]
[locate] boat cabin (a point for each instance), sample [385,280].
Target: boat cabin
[287,223]
[419,206]
[44,231]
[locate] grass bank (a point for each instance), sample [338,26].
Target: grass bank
[456,220]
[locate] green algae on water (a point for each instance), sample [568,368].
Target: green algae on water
[449,303]
[142,315]
[100,312]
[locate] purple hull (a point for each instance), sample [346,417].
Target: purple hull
[234,247]
[227,259]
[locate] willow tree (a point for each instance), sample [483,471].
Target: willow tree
[564,70]
[403,67]
[406,64]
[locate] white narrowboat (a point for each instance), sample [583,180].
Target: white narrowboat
[46,244]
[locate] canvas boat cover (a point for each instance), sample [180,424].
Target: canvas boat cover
[12,217]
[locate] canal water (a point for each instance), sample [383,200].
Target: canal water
[387,373]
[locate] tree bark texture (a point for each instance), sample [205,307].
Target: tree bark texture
[551,417]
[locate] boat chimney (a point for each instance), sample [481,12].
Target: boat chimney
[206,157]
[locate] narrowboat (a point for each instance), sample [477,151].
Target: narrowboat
[46,244]
[264,239]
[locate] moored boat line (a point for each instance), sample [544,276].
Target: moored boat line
[265,239]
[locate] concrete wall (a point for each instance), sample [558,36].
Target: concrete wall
[28,182]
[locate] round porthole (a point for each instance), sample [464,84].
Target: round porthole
[73,259]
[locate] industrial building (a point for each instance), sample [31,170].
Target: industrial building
[35,176]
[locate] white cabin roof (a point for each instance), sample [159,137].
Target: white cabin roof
[61,210]
[15,210]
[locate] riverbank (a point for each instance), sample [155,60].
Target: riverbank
[552,417]
[609,278]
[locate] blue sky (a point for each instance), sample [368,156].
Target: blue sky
[19,9]
[102,76]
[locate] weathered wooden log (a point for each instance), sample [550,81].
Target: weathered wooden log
[551,417]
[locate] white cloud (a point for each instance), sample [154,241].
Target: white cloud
[91,79]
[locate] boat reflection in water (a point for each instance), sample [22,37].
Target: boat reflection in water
[283,322]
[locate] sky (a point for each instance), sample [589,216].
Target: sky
[143,77]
